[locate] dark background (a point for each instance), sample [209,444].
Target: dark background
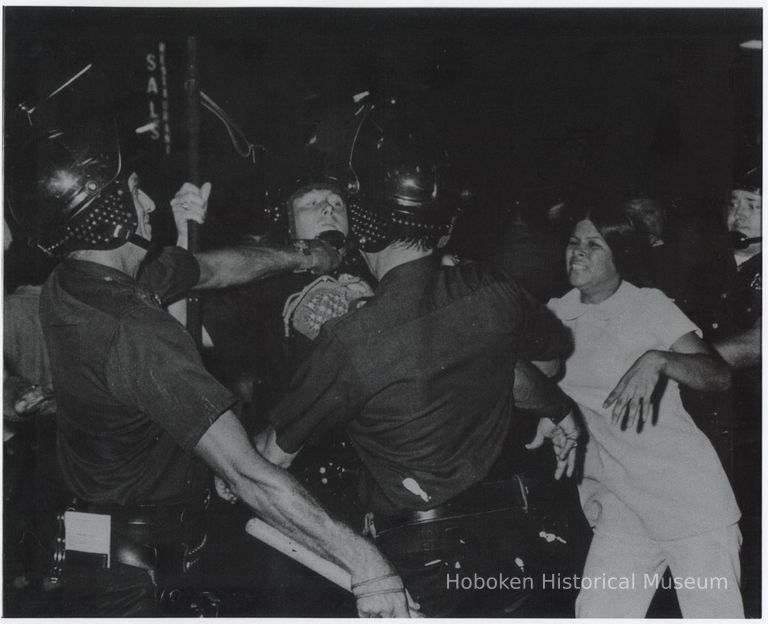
[535,105]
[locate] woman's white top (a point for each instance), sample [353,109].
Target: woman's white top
[664,481]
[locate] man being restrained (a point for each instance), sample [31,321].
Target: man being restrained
[422,377]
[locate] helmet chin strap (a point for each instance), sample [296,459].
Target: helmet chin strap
[740,240]
[128,236]
[139,241]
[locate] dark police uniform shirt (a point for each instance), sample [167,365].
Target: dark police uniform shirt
[248,328]
[422,378]
[724,299]
[133,396]
[727,300]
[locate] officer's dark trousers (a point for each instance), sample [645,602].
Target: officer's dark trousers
[120,591]
[472,565]
[165,539]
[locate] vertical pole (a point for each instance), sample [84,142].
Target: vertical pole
[194,317]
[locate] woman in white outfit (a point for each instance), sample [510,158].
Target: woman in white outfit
[652,488]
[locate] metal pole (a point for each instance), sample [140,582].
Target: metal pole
[194,317]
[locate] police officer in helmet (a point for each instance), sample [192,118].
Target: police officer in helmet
[421,376]
[140,421]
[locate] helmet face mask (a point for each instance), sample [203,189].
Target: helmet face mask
[399,179]
[373,231]
[65,188]
[107,222]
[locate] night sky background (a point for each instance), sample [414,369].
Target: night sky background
[535,105]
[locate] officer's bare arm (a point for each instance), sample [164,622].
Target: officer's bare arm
[237,265]
[232,266]
[282,501]
[743,349]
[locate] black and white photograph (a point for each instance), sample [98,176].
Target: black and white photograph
[399,311]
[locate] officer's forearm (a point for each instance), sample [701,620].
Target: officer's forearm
[742,350]
[283,502]
[232,266]
[699,371]
[286,505]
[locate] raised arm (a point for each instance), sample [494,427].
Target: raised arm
[282,501]
[233,266]
[189,204]
[237,265]
[689,361]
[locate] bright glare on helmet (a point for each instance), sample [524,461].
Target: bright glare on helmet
[410,182]
[63,181]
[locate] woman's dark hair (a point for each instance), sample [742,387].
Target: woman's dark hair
[622,237]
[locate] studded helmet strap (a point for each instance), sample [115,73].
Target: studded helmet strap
[122,232]
[375,230]
[107,222]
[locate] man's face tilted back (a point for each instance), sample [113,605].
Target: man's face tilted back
[318,210]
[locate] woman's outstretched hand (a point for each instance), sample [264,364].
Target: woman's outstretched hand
[632,396]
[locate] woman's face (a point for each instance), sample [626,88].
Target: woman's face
[589,262]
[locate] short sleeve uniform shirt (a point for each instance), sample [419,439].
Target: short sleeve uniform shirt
[422,378]
[133,396]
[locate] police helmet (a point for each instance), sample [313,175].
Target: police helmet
[398,179]
[67,188]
